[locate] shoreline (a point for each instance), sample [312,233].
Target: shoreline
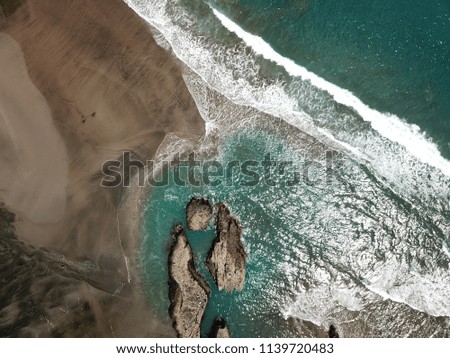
[125,92]
[106,94]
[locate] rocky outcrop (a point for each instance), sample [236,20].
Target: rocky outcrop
[332,332]
[226,259]
[198,214]
[219,329]
[188,291]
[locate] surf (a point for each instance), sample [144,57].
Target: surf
[388,125]
[396,151]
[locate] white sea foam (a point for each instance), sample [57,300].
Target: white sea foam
[445,249]
[318,303]
[228,70]
[271,99]
[402,284]
[388,125]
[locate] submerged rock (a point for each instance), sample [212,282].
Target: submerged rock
[188,290]
[219,329]
[332,332]
[198,214]
[226,259]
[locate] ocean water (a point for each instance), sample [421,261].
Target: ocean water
[367,250]
[394,55]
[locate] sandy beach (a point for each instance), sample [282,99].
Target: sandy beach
[342,230]
[84,81]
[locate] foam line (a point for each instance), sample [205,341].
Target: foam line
[388,125]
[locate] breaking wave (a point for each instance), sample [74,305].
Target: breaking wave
[399,157]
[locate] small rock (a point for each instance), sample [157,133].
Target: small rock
[332,332]
[198,214]
[219,329]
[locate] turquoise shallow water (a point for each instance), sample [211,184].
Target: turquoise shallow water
[369,251]
[166,208]
[313,248]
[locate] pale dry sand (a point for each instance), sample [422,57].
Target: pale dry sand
[84,82]
[33,155]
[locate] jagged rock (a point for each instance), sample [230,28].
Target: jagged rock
[188,290]
[198,214]
[332,332]
[223,332]
[226,259]
[219,329]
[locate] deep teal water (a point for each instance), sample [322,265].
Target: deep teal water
[394,55]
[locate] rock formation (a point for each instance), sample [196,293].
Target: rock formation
[219,329]
[198,214]
[226,259]
[188,291]
[332,332]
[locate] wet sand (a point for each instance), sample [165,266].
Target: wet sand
[84,82]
